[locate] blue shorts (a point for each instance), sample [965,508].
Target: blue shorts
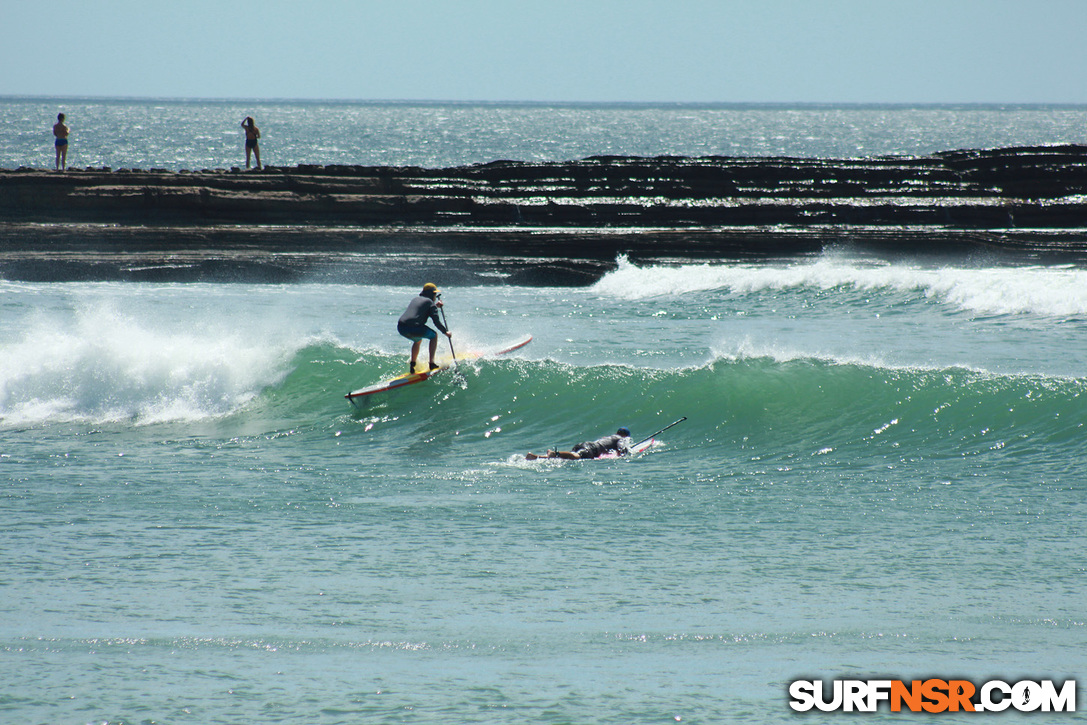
[415,333]
[60,142]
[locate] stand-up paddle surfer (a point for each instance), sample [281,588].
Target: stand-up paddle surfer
[619,443]
[412,323]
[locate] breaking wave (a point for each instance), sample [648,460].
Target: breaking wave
[1059,291]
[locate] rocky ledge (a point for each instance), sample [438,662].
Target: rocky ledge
[533,223]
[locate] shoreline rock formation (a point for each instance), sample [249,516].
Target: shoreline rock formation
[533,222]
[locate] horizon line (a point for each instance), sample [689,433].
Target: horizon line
[544,103]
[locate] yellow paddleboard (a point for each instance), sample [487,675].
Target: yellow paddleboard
[358,396]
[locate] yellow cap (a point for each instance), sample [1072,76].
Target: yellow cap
[430,287]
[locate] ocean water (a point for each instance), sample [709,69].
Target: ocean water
[193,135]
[880,474]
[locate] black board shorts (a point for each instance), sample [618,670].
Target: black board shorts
[590,449]
[415,333]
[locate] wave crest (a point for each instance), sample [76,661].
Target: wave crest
[104,366]
[1052,291]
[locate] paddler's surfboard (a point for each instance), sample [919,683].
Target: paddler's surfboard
[633,450]
[362,394]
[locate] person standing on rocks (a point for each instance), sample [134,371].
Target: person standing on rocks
[252,134]
[60,142]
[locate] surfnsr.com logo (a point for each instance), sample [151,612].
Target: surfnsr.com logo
[933,695]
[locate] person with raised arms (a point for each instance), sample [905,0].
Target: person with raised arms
[252,141]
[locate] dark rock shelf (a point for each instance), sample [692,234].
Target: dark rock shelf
[533,223]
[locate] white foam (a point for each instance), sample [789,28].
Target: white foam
[102,365]
[1050,291]
[740,349]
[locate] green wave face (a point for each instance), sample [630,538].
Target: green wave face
[737,408]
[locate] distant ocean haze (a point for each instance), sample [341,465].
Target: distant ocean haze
[196,135]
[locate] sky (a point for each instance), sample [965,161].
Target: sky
[666,51]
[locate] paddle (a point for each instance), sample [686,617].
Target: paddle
[451,350]
[643,440]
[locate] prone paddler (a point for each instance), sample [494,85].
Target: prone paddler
[413,324]
[617,443]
